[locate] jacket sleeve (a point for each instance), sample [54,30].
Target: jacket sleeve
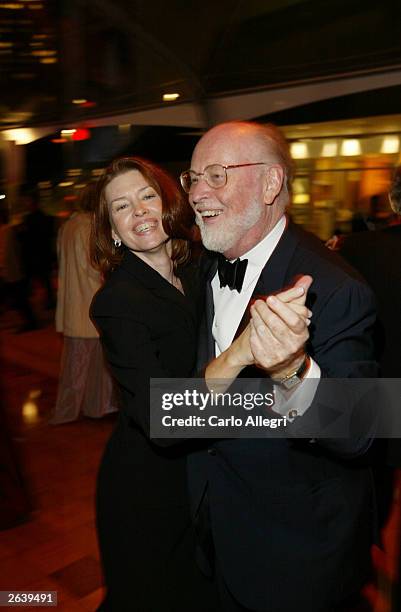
[343,413]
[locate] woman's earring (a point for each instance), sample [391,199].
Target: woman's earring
[117,242]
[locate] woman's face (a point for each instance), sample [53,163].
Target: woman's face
[135,212]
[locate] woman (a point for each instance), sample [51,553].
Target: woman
[84,383]
[147,318]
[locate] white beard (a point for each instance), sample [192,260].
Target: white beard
[222,239]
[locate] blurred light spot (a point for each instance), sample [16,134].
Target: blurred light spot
[21,136]
[49,60]
[170,97]
[329,149]
[67,132]
[81,134]
[66,184]
[30,411]
[2,196]
[391,144]
[44,53]
[79,101]
[88,104]
[299,150]
[350,147]
[301,198]
[11,5]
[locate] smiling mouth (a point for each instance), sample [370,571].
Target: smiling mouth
[209,213]
[143,228]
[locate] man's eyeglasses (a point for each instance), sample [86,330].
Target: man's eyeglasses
[215,175]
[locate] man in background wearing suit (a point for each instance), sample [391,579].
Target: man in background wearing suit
[283,524]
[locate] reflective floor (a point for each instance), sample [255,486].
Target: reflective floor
[54,547]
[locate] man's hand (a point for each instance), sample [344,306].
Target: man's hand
[279,329]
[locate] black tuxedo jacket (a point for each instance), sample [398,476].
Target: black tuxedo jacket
[292,521]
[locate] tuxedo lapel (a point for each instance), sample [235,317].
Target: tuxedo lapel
[206,346]
[273,276]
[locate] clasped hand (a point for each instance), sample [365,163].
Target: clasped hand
[275,337]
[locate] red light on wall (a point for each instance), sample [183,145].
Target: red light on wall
[88,104]
[81,134]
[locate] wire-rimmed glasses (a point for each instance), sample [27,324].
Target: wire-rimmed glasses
[215,175]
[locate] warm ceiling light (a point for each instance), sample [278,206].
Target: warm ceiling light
[2,196]
[48,60]
[350,147]
[79,101]
[20,136]
[329,149]
[68,132]
[170,97]
[66,184]
[299,150]
[391,144]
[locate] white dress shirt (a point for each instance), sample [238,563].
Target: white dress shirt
[229,308]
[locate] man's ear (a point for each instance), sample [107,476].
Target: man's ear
[273,184]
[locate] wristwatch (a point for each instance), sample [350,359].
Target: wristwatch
[293,379]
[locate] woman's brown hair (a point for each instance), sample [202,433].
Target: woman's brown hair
[177,215]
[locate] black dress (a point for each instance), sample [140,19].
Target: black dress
[148,329]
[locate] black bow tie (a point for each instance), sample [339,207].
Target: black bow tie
[232,275]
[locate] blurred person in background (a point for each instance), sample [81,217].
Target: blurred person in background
[85,385]
[377,256]
[37,239]
[13,281]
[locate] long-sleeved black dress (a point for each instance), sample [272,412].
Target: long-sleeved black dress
[148,329]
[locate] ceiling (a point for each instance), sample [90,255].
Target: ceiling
[121,56]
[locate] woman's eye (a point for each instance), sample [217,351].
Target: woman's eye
[149,196]
[121,206]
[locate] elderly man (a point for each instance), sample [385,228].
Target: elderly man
[283,524]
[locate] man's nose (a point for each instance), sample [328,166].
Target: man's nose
[199,190]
